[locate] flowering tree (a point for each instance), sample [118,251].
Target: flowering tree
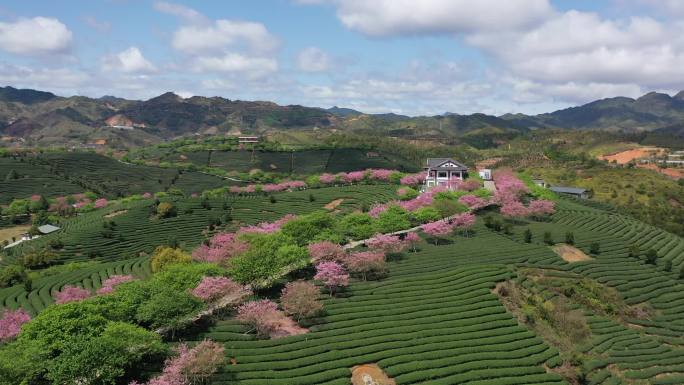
[261,315]
[354,176]
[464,222]
[100,203]
[332,275]
[472,201]
[377,209]
[327,178]
[541,207]
[190,366]
[267,227]
[110,283]
[413,179]
[147,195]
[221,248]
[412,240]
[326,251]
[381,174]
[71,294]
[514,209]
[469,185]
[10,323]
[211,289]
[366,263]
[386,243]
[506,182]
[437,229]
[300,299]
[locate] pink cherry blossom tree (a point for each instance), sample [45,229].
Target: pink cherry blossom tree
[11,322]
[438,229]
[386,243]
[110,283]
[300,299]
[100,203]
[326,251]
[261,315]
[473,202]
[220,249]
[71,294]
[514,209]
[541,207]
[332,275]
[367,263]
[464,222]
[354,177]
[381,174]
[326,178]
[211,289]
[412,179]
[190,366]
[412,239]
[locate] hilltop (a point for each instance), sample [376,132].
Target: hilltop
[30,117]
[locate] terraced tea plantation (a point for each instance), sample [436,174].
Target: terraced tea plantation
[297,162]
[55,174]
[135,232]
[435,319]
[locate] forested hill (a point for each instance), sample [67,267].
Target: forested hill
[38,118]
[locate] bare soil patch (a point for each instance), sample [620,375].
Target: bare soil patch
[570,253]
[674,173]
[627,156]
[370,374]
[16,231]
[333,205]
[115,213]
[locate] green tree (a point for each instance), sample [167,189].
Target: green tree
[166,210]
[595,248]
[651,256]
[11,275]
[527,235]
[548,238]
[165,256]
[12,175]
[570,238]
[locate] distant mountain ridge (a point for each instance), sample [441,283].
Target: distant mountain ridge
[43,118]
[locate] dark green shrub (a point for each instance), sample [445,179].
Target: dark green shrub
[548,238]
[651,256]
[570,238]
[595,248]
[527,235]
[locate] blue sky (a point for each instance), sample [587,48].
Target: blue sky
[403,56]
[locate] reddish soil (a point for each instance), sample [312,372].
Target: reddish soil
[624,157]
[674,173]
[370,374]
[487,163]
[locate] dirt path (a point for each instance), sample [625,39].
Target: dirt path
[115,213]
[370,374]
[333,205]
[570,253]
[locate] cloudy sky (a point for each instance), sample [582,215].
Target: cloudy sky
[404,56]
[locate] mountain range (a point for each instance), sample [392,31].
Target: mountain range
[42,118]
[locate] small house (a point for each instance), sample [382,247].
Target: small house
[576,192]
[444,172]
[540,183]
[485,174]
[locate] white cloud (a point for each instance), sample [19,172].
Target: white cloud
[35,36]
[42,78]
[223,34]
[584,48]
[235,62]
[408,17]
[313,59]
[130,60]
[181,11]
